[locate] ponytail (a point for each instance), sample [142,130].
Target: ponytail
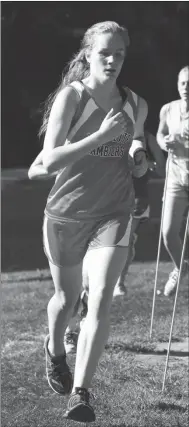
[76,70]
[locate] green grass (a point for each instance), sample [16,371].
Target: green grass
[128,381]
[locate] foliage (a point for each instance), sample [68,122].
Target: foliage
[38,38]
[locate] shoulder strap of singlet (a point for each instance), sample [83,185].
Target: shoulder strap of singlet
[172,112]
[134,105]
[173,107]
[84,109]
[78,87]
[131,104]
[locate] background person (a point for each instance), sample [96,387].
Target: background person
[156,162]
[173,136]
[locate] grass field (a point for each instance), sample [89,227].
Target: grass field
[128,381]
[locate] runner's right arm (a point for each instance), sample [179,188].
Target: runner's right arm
[57,154]
[37,169]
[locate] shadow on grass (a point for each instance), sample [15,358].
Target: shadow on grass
[119,425]
[167,406]
[29,279]
[144,350]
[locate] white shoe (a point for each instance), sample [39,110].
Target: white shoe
[70,342]
[170,287]
[171,284]
[119,290]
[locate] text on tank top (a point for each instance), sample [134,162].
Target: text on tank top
[100,183]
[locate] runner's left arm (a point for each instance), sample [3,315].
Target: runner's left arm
[137,151]
[157,154]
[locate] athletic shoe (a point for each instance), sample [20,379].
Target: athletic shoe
[119,290]
[141,212]
[170,287]
[78,408]
[70,342]
[57,371]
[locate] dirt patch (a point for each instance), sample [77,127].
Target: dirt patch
[179,353]
[181,346]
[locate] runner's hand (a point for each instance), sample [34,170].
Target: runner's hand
[171,142]
[139,157]
[112,126]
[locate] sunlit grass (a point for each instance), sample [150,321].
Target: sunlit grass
[128,381]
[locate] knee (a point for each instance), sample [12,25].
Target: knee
[62,301]
[99,304]
[168,235]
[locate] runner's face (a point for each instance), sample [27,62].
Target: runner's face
[107,57]
[183,85]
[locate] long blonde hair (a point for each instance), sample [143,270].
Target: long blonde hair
[78,67]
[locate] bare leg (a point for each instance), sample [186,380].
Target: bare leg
[71,332]
[104,266]
[173,217]
[67,282]
[73,321]
[120,288]
[130,256]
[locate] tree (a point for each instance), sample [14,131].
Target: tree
[38,39]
